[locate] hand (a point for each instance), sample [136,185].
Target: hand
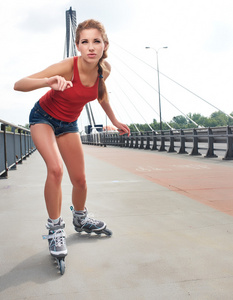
[122,128]
[59,83]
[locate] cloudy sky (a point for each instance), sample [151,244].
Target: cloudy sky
[198,34]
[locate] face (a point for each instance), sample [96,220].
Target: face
[91,45]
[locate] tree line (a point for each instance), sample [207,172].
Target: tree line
[216,119]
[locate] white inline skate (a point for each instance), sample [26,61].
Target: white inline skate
[57,242]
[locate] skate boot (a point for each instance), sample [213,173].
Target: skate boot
[82,222]
[56,238]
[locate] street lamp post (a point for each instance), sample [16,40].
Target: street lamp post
[157,58]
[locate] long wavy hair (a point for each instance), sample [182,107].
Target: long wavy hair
[90,24]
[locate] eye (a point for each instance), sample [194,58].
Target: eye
[97,41]
[83,42]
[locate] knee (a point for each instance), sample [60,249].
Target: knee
[79,183]
[55,172]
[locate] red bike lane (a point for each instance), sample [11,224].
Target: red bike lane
[207,180]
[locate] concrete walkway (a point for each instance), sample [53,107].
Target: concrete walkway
[165,244]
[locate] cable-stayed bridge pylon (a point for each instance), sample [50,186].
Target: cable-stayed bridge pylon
[71,24]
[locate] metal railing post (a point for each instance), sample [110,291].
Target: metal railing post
[136,141]
[14,149]
[172,144]
[154,140]
[210,150]
[182,143]
[229,151]
[162,139]
[147,141]
[5,173]
[195,143]
[141,141]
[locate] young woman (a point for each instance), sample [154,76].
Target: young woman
[53,123]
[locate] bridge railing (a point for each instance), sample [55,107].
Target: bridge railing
[15,146]
[197,141]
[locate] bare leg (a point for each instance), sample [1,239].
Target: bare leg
[45,142]
[70,147]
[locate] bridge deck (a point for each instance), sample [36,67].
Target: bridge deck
[165,244]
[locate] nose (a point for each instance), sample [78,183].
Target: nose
[91,47]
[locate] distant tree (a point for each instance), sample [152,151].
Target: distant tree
[8,128]
[132,127]
[179,122]
[216,119]
[211,123]
[219,118]
[155,125]
[198,118]
[230,120]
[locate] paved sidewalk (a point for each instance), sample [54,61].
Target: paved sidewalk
[165,244]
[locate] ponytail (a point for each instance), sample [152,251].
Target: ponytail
[102,90]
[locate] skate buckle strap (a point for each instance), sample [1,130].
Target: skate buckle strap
[55,227]
[55,235]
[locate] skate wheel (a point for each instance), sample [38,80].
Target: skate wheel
[62,266]
[107,231]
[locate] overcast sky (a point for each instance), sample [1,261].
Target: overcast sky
[198,34]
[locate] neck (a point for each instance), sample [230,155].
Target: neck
[85,67]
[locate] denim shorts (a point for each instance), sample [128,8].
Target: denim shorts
[39,116]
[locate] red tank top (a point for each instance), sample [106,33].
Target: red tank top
[67,105]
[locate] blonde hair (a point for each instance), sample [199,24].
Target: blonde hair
[90,24]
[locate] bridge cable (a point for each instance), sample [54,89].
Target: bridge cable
[174,81]
[133,104]
[120,102]
[186,116]
[148,102]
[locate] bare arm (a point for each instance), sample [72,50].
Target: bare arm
[56,76]
[122,128]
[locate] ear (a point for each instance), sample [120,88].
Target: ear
[77,46]
[106,45]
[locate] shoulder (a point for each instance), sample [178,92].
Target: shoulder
[106,69]
[63,68]
[66,64]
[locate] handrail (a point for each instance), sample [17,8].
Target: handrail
[15,146]
[13,125]
[176,140]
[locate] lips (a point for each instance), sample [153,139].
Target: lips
[91,55]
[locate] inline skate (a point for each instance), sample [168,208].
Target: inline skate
[57,242]
[82,222]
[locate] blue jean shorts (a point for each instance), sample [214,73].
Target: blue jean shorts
[39,116]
